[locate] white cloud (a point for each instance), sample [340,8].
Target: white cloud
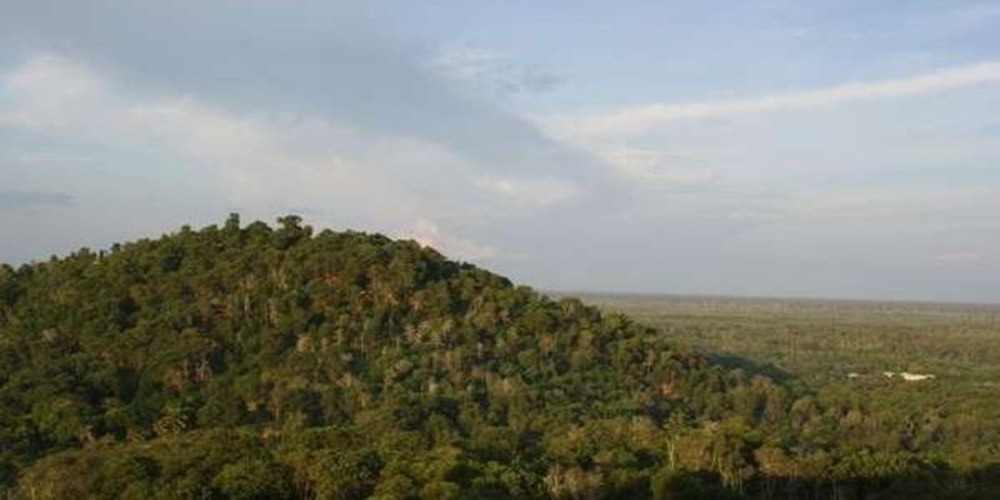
[260,162]
[636,119]
[540,192]
[959,257]
[51,92]
[252,157]
[428,233]
[655,168]
[886,205]
[479,68]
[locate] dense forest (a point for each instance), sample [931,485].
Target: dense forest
[271,362]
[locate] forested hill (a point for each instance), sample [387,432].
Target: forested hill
[259,362]
[336,362]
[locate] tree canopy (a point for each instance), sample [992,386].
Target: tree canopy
[276,362]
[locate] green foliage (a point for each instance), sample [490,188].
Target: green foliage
[259,362]
[253,479]
[834,424]
[684,484]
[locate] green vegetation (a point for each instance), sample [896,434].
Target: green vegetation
[835,354]
[259,362]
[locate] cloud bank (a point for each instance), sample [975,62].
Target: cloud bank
[636,119]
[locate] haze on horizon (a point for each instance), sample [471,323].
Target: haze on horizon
[842,149]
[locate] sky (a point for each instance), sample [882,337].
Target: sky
[829,149]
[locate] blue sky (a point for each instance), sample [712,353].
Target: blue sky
[823,149]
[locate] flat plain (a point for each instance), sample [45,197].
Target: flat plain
[852,354]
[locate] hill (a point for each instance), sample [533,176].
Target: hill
[260,362]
